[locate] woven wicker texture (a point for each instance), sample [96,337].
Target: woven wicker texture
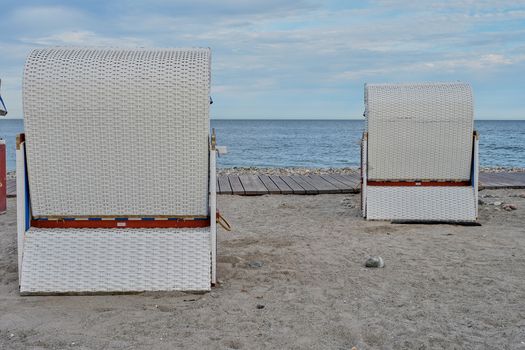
[118,260]
[421,203]
[117,131]
[419,131]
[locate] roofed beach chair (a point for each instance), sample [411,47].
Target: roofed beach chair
[116,172]
[419,153]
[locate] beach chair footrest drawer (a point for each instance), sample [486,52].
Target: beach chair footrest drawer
[421,203]
[115,260]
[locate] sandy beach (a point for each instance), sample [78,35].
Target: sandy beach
[190,175]
[292,276]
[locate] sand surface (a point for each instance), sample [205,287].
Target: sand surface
[443,286]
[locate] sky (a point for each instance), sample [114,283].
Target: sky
[302,59]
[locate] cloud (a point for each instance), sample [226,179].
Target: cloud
[473,63]
[282,49]
[85,38]
[45,18]
[200,8]
[495,59]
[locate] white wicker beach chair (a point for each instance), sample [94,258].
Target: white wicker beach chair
[116,172]
[419,153]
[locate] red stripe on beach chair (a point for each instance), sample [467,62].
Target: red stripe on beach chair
[419,183]
[120,223]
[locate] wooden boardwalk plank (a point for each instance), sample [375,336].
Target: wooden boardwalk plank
[225,186]
[300,179]
[270,185]
[493,180]
[487,181]
[350,180]
[512,179]
[11,188]
[341,186]
[354,178]
[284,188]
[296,188]
[502,180]
[252,185]
[321,184]
[236,184]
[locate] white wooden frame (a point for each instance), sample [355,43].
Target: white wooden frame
[3,185]
[213,215]
[21,205]
[475,169]
[215,151]
[364,172]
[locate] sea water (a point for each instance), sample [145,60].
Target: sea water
[318,143]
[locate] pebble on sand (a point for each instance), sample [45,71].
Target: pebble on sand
[255,264]
[509,206]
[260,306]
[374,261]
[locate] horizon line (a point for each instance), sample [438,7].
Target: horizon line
[292,118]
[362,118]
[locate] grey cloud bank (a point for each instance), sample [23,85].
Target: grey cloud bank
[301,59]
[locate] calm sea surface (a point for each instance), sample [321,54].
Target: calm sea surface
[318,143]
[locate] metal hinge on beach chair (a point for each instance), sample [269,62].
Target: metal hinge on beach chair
[419,153]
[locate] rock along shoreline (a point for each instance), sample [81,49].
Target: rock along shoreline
[321,171]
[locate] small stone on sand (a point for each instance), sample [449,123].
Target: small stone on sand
[374,261]
[509,206]
[255,264]
[260,306]
[497,204]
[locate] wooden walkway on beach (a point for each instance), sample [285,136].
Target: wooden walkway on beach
[318,184]
[293,184]
[332,183]
[11,187]
[501,180]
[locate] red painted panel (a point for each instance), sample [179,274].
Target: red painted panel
[120,223]
[419,183]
